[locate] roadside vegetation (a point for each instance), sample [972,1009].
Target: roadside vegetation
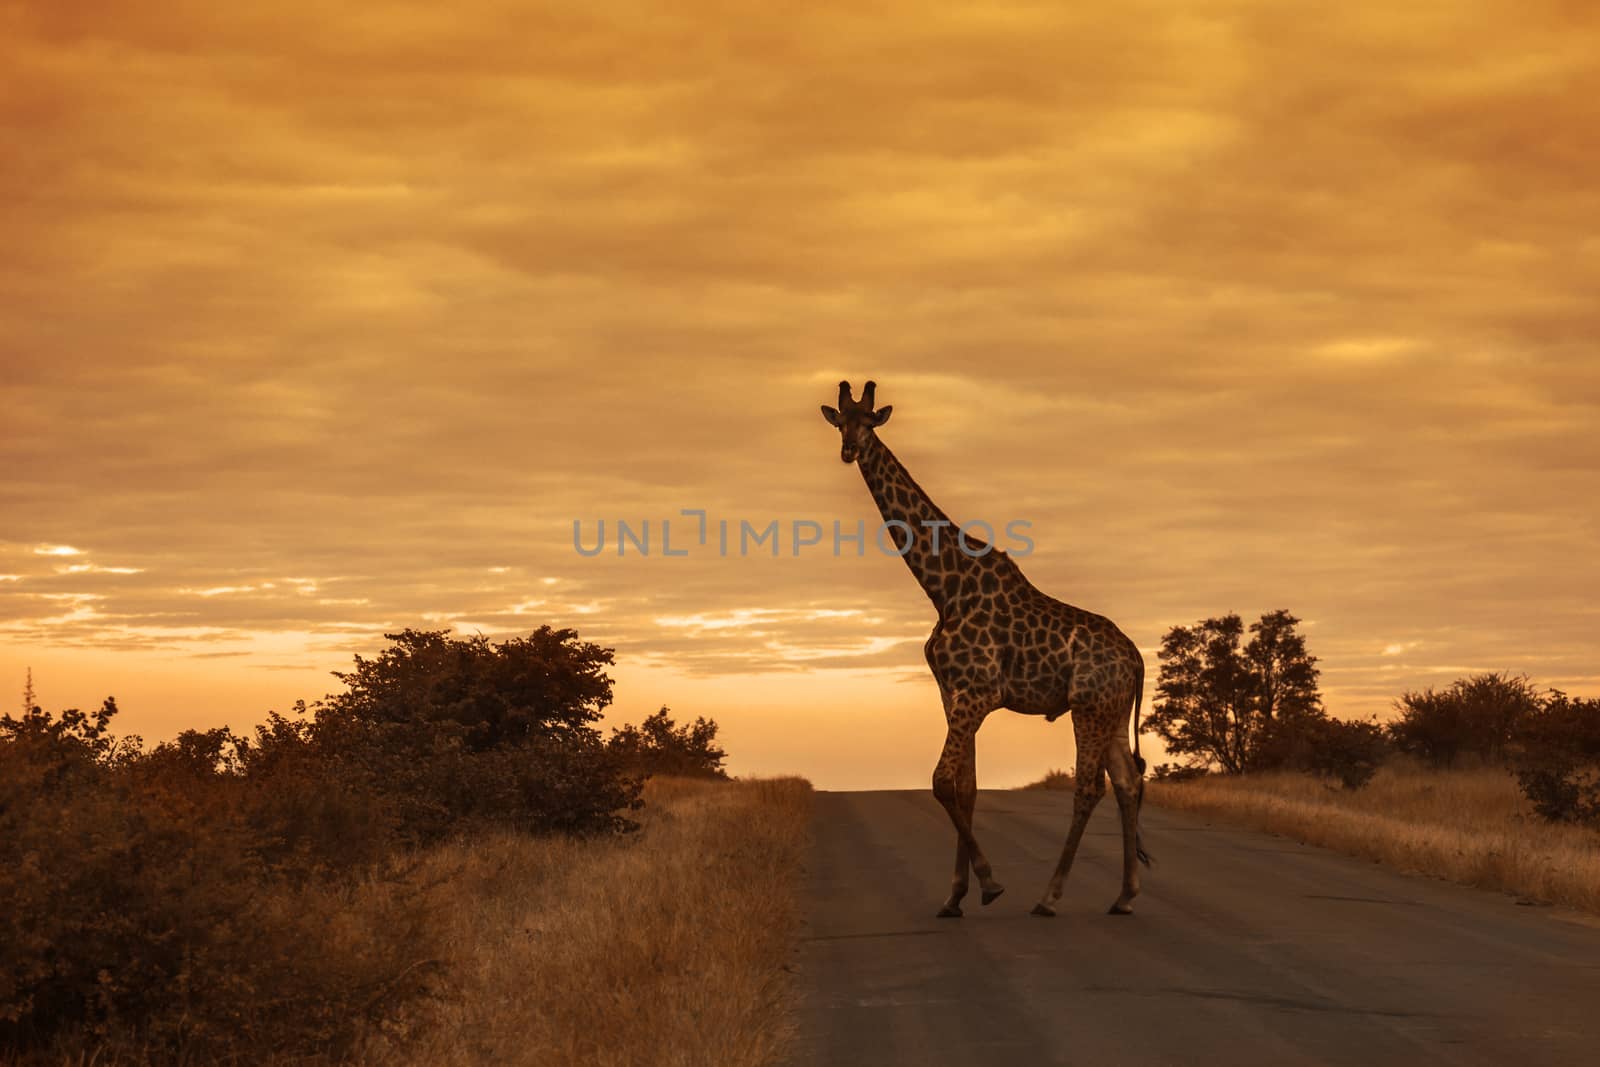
[352,881]
[1471,826]
[1053,779]
[665,947]
[1490,781]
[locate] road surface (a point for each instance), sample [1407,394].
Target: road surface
[1245,948]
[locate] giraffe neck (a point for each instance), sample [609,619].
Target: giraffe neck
[901,499]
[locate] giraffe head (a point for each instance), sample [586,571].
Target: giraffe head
[855,419]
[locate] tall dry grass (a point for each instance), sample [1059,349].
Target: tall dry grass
[1053,779]
[669,946]
[1469,826]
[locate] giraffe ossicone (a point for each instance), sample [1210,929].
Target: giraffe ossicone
[1000,642]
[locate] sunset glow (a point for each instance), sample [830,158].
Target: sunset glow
[317,324]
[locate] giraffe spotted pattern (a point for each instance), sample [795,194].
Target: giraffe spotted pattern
[1002,643]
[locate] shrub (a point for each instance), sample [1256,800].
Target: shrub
[660,746]
[457,733]
[308,810]
[1177,772]
[141,914]
[431,782]
[223,896]
[546,685]
[1054,779]
[1556,759]
[1349,751]
[1476,715]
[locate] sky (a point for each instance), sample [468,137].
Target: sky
[316,324]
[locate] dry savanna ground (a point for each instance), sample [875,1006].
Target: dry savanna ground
[669,946]
[1468,826]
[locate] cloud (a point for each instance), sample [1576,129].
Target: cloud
[323,323]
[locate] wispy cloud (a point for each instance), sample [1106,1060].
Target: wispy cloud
[324,323]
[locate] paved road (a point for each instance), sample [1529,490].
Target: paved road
[1246,949]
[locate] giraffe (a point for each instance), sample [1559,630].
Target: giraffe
[1001,643]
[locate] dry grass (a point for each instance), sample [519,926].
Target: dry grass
[666,947]
[1469,826]
[1054,779]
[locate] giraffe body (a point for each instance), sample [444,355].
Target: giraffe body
[1000,642]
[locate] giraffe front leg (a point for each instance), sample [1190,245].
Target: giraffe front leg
[958,884]
[967,797]
[946,778]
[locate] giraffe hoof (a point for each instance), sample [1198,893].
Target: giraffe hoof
[1119,908]
[1044,911]
[992,895]
[950,911]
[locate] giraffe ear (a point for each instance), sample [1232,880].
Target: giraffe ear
[881,416]
[831,415]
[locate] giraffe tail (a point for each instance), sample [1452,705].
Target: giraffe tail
[1138,701]
[1138,761]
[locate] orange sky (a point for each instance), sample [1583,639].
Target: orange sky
[319,324]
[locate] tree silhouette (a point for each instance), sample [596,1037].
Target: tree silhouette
[1476,715]
[1239,705]
[1555,754]
[660,746]
[461,730]
[548,685]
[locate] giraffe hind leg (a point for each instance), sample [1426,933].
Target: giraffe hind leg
[952,906]
[1089,787]
[1128,785]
